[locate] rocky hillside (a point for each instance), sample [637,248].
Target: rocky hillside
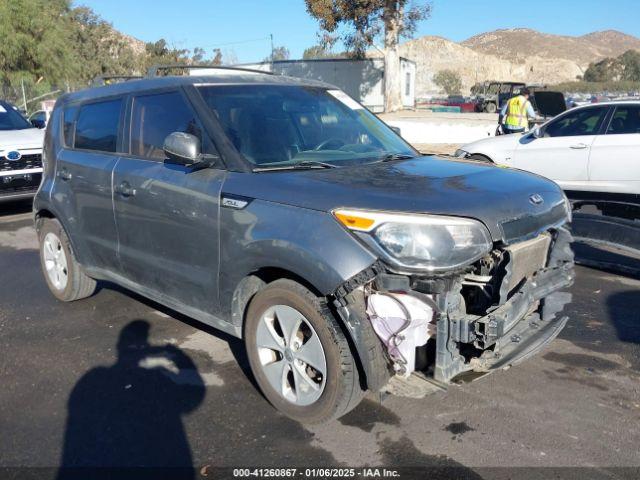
[518,43]
[515,54]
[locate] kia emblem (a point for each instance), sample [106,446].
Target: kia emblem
[536,199]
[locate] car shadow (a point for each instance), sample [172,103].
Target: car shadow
[623,310]
[129,415]
[236,345]
[15,207]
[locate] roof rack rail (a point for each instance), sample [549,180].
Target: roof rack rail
[109,79]
[153,71]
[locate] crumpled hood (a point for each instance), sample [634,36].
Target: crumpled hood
[21,139]
[491,194]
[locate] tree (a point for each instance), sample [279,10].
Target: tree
[624,67]
[449,81]
[358,23]
[317,51]
[278,53]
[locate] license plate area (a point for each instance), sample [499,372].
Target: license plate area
[25,177]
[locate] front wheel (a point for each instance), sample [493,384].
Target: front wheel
[299,355]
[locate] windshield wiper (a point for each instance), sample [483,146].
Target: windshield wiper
[390,157]
[304,165]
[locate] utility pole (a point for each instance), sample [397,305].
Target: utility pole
[24,96]
[271,38]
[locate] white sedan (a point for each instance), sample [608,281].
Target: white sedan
[593,148]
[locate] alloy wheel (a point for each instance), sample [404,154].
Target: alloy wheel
[291,355]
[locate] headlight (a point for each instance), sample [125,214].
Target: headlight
[419,242]
[461,154]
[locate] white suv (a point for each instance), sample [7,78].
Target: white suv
[20,155]
[593,148]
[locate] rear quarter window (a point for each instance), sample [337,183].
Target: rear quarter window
[68,124]
[97,126]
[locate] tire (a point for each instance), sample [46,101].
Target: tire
[338,389]
[61,270]
[490,107]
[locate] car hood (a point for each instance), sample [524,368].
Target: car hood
[21,139]
[498,143]
[494,195]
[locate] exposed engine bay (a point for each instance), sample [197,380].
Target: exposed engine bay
[459,325]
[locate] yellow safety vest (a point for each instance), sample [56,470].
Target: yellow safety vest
[517,112]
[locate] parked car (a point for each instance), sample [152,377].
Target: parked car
[281,211]
[591,148]
[490,96]
[39,119]
[20,155]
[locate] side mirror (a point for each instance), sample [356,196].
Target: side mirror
[38,123]
[396,129]
[536,132]
[182,148]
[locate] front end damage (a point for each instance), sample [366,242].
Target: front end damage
[459,325]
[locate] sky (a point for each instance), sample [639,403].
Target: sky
[241,28]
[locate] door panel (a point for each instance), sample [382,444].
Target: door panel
[167,214]
[168,229]
[614,164]
[563,159]
[82,191]
[562,151]
[82,195]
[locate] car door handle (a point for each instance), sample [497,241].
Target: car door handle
[64,174]
[579,146]
[125,190]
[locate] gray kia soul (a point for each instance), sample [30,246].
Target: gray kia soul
[281,211]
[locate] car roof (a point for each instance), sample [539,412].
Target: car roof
[608,103]
[152,83]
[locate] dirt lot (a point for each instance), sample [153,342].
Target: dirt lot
[70,374]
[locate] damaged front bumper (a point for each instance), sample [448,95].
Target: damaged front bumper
[508,334]
[492,315]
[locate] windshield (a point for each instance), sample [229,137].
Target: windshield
[12,120]
[278,125]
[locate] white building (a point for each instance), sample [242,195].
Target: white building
[360,79]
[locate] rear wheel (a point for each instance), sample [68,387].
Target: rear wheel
[299,355]
[61,270]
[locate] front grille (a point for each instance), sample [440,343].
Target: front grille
[27,162]
[531,225]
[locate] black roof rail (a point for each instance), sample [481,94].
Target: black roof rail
[109,79]
[153,71]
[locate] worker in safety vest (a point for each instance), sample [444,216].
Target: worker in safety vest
[516,112]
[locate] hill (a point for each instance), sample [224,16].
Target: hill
[519,54]
[519,43]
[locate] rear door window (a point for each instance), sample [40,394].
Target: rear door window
[155,116]
[97,126]
[626,120]
[580,122]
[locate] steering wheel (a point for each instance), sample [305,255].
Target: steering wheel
[330,142]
